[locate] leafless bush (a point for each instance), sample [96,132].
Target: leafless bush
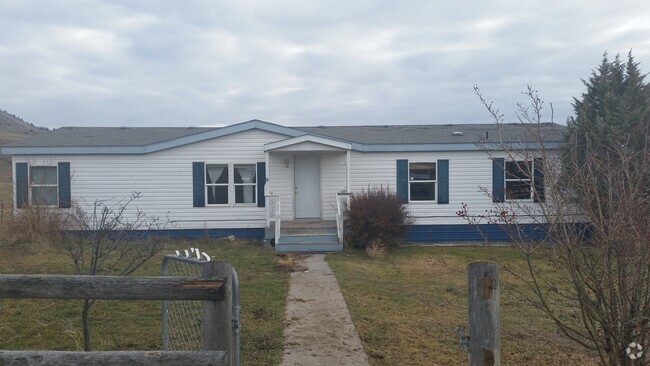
[376,214]
[114,238]
[31,224]
[595,216]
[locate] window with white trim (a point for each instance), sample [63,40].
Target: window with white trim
[422,182]
[44,185]
[518,180]
[245,183]
[230,184]
[216,184]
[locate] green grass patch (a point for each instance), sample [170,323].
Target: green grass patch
[131,325]
[406,304]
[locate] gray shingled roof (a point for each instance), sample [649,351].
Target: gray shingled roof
[106,136]
[143,139]
[435,134]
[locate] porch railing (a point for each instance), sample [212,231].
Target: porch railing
[342,199]
[273,213]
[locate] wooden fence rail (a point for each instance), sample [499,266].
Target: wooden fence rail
[214,289]
[111,287]
[162,358]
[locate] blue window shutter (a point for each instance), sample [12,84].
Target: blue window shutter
[198,183]
[498,180]
[538,177]
[261,180]
[22,185]
[403,180]
[443,181]
[65,197]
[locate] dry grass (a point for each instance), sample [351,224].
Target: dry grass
[376,249]
[127,325]
[405,307]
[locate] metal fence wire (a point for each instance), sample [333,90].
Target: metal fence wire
[182,318]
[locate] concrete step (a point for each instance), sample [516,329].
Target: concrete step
[308,243]
[308,231]
[293,239]
[309,247]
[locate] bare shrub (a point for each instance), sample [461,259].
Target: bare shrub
[114,239]
[595,218]
[31,224]
[376,214]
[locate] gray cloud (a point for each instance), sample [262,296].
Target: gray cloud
[163,63]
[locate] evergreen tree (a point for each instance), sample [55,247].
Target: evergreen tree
[597,212]
[606,167]
[613,111]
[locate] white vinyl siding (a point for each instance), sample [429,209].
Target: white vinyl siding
[469,172]
[281,182]
[333,173]
[164,179]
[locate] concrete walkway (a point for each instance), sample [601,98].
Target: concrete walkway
[319,329]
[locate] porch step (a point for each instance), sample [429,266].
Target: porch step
[312,231]
[308,243]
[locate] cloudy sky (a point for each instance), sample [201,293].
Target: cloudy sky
[202,63]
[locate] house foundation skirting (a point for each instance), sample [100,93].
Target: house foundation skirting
[416,233]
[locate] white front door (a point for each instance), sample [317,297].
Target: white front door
[307,180]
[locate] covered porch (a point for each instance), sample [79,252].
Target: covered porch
[306,176]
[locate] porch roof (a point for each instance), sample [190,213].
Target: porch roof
[307,143]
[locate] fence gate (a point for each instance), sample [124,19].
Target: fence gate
[182,328]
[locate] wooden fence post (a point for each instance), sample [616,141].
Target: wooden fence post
[216,316]
[483,307]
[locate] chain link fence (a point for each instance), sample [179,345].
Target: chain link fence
[181,320]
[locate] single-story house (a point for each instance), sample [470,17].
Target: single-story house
[233,180]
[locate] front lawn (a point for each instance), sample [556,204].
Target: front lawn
[130,325]
[405,306]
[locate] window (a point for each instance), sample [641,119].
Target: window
[216,182]
[223,180]
[519,180]
[245,183]
[422,181]
[43,184]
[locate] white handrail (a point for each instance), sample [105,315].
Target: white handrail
[342,199]
[273,212]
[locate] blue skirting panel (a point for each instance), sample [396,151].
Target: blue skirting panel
[422,233]
[466,232]
[249,233]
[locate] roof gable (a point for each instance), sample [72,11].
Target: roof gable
[307,143]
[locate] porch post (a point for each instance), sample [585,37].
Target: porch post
[347,171]
[267,166]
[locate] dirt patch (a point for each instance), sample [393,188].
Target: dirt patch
[319,330]
[290,262]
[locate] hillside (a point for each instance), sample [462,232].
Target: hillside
[12,128]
